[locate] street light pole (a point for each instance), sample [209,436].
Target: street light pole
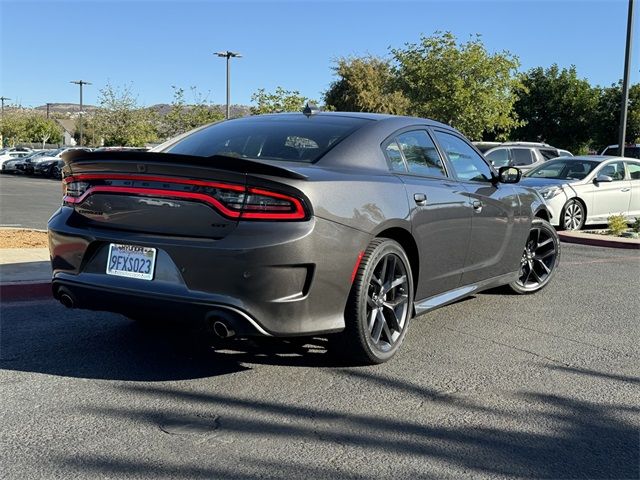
[81,83]
[625,83]
[228,55]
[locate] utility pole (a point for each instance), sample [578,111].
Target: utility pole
[48,105]
[228,55]
[81,83]
[2,99]
[625,83]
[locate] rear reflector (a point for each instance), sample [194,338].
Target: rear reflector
[233,201]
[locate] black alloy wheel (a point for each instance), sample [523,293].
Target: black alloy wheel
[380,304]
[539,259]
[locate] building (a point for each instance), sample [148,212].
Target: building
[69,129]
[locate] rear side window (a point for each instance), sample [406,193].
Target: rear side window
[634,170]
[395,157]
[521,156]
[421,154]
[287,137]
[548,153]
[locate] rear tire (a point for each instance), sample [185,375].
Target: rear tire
[539,260]
[380,305]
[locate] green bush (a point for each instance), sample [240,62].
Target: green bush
[617,224]
[636,225]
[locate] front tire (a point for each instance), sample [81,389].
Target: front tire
[380,304]
[573,215]
[539,260]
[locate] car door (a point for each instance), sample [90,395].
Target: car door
[495,222]
[633,170]
[523,158]
[610,198]
[439,208]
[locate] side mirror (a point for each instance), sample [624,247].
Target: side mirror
[603,179]
[509,175]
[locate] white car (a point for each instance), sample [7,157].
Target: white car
[8,154]
[587,189]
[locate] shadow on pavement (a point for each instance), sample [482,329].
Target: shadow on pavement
[589,440]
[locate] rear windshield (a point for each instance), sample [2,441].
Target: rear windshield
[294,138]
[563,169]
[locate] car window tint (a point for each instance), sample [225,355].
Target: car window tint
[421,153]
[500,157]
[466,162]
[614,170]
[395,157]
[634,170]
[548,153]
[521,156]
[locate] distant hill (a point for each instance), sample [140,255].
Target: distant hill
[69,109]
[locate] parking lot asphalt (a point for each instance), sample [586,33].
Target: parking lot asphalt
[496,386]
[28,201]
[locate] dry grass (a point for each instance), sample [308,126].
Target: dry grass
[14,238]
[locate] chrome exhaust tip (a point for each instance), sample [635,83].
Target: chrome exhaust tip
[222,330]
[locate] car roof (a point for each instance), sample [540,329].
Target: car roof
[597,158]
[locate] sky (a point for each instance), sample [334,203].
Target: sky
[153,45]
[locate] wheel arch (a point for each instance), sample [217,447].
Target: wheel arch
[408,244]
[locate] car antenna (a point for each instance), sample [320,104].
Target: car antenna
[310,109]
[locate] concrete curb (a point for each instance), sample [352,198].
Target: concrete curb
[599,240]
[22,291]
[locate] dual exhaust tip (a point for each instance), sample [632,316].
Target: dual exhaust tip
[221,326]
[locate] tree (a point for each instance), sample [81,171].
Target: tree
[183,117]
[90,135]
[120,121]
[459,84]
[14,126]
[557,106]
[43,130]
[606,123]
[279,101]
[366,84]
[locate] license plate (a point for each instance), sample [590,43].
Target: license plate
[131,261]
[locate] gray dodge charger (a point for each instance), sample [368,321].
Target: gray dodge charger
[344,225]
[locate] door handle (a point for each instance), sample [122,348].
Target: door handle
[625,189]
[477,206]
[420,199]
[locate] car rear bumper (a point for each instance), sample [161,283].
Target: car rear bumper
[282,279]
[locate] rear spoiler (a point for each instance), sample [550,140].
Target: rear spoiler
[233,164]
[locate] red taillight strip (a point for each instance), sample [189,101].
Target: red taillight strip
[152,178]
[155,192]
[297,214]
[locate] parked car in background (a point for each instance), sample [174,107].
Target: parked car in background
[630,151]
[48,165]
[338,224]
[484,146]
[524,155]
[584,190]
[13,153]
[23,164]
[564,153]
[121,149]
[49,168]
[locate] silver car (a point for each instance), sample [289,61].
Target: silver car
[585,190]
